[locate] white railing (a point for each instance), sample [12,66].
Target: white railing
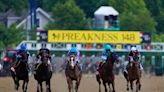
[34,45]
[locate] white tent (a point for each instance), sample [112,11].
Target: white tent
[106,11]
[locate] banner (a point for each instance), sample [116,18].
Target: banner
[83,36]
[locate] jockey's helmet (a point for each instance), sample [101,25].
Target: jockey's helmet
[23,46]
[74,51]
[133,49]
[108,48]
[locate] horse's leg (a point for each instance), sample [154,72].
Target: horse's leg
[70,85]
[131,85]
[99,81]
[48,86]
[126,77]
[127,85]
[13,76]
[24,86]
[41,87]
[105,86]
[26,82]
[17,83]
[138,85]
[113,86]
[77,84]
[37,86]
[109,86]
[140,80]
[15,80]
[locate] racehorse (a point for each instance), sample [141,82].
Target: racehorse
[134,73]
[73,72]
[42,74]
[21,73]
[106,74]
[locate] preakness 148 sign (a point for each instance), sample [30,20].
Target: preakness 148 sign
[83,36]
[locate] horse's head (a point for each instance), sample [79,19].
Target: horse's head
[44,57]
[24,57]
[135,58]
[133,65]
[72,61]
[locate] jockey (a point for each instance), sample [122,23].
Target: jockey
[108,51]
[74,52]
[39,60]
[22,49]
[133,56]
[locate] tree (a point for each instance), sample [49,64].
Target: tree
[137,22]
[160,21]
[10,37]
[13,36]
[48,4]
[17,5]
[68,16]
[2,35]
[90,6]
[153,6]
[157,37]
[132,15]
[156,8]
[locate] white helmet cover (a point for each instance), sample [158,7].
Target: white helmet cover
[133,49]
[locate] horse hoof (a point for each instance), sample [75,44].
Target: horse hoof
[49,90]
[127,89]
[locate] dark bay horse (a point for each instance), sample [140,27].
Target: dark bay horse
[42,74]
[134,73]
[21,73]
[73,72]
[106,74]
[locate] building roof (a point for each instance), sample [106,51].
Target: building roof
[106,11]
[38,10]
[11,14]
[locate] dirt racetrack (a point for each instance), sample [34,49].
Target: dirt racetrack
[88,84]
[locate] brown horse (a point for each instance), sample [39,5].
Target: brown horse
[73,72]
[21,72]
[106,74]
[134,73]
[43,74]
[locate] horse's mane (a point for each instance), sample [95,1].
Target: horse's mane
[110,58]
